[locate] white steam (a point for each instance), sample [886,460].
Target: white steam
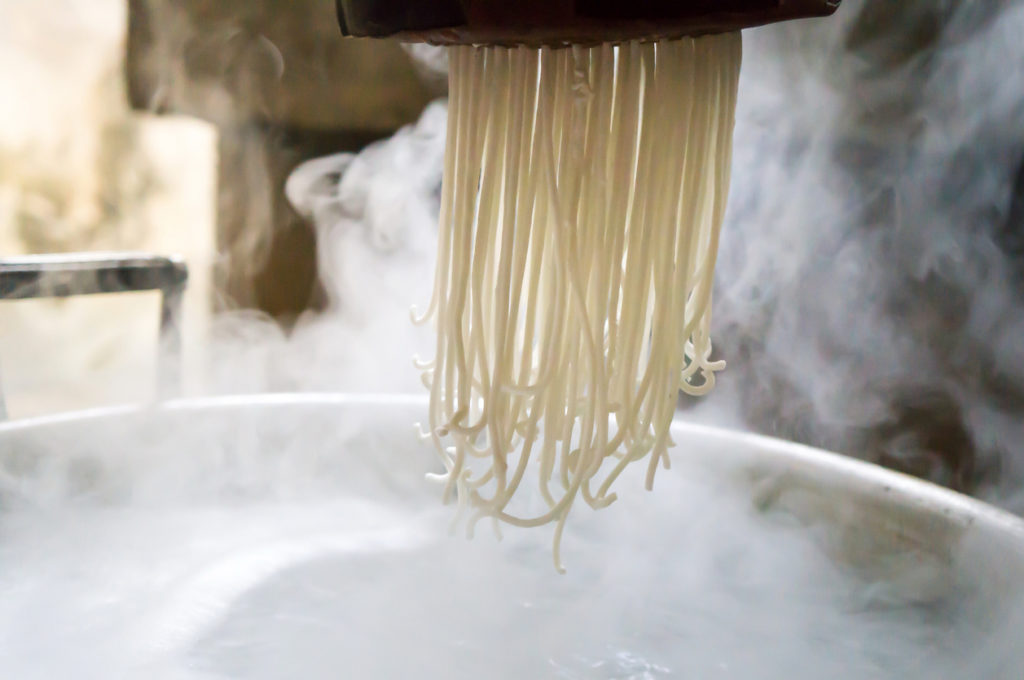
[870,281]
[431,62]
[376,222]
[870,274]
[301,543]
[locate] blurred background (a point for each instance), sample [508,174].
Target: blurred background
[170,127]
[870,294]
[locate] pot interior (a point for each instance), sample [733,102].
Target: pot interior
[282,537]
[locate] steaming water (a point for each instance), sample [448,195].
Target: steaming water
[312,548]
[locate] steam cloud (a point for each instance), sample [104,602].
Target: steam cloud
[301,542]
[870,281]
[871,273]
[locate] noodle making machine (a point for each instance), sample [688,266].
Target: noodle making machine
[553,22]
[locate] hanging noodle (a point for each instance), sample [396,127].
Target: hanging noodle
[584,190]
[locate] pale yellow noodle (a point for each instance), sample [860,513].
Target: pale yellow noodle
[584,192]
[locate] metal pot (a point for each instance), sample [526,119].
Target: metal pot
[873,509]
[876,521]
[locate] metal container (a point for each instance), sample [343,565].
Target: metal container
[872,510]
[877,522]
[89,273]
[558,22]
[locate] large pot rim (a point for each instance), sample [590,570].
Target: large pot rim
[821,464]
